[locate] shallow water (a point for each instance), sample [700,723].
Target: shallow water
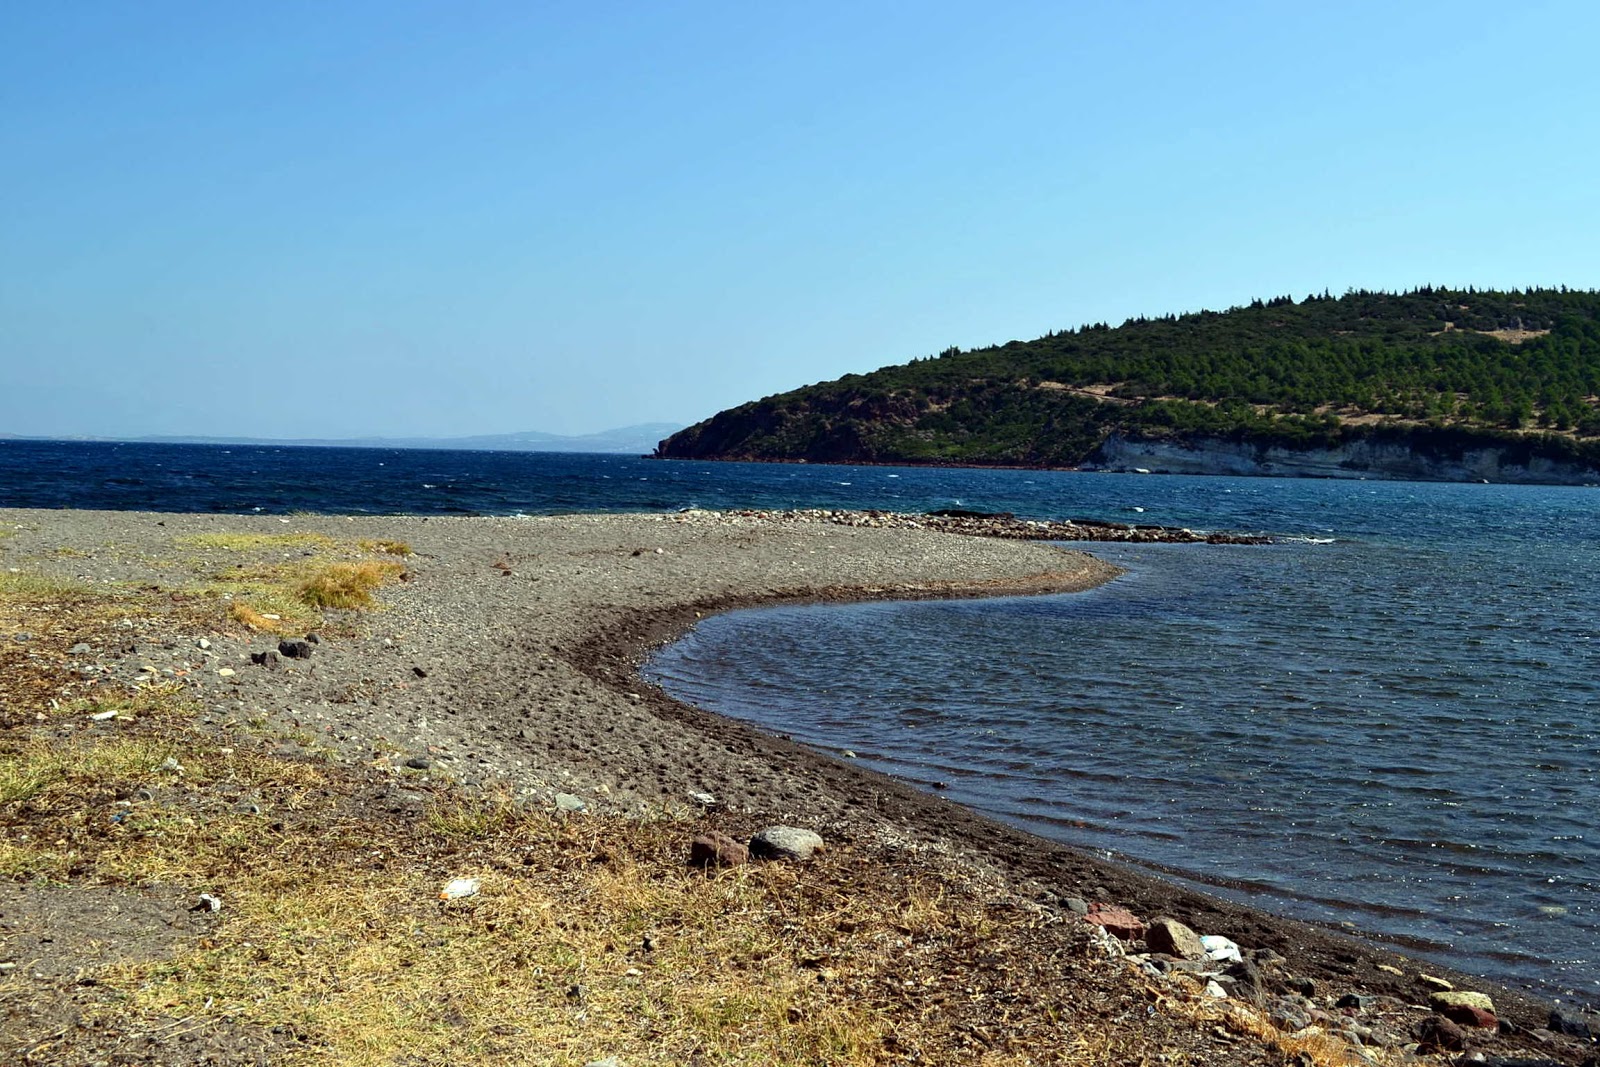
[1394,731]
[1397,729]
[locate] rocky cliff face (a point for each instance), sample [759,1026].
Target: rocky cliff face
[1353,459]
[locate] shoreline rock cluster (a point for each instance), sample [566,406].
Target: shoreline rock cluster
[1000,525]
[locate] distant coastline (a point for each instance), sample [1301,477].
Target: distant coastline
[635,439]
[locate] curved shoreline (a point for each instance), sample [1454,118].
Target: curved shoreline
[1048,871]
[514,655]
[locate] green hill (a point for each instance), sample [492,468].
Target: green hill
[1436,372]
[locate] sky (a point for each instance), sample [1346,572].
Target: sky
[434,219]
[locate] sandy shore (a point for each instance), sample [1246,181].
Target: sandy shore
[510,656]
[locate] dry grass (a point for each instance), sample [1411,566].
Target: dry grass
[347,585]
[270,592]
[256,542]
[43,588]
[590,936]
[385,547]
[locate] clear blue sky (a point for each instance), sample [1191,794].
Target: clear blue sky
[340,219]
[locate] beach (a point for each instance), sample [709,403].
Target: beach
[506,654]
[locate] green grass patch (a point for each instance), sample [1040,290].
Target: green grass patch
[255,542]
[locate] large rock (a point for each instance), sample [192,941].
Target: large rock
[1460,998]
[1572,1024]
[1175,939]
[784,843]
[1120,922]
[717,850]
[1467,1015]
[1439,1035]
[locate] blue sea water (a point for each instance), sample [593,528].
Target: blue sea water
[1391,721]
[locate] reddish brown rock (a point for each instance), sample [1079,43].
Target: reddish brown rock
[717,850]
[1470,1015]
[1435,1034]
[1120,922]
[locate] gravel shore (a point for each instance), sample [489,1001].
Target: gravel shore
[509,655]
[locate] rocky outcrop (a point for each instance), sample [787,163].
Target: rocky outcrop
[1358,458]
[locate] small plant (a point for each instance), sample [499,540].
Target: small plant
[385,546]
[346,585]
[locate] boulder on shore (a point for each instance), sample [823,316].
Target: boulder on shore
[1121,922]
[785,843]
[1175,939]
[713,849]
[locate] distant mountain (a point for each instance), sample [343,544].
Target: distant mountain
[638,440]
[1434,383]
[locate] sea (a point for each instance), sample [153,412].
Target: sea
[1386,722]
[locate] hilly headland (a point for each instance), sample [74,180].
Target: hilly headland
[1432,384]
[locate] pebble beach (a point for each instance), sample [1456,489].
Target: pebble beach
[507,657]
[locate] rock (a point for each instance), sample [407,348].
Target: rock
[705,800]
[1115,920]
[264,659]
[1215,990]
[418,763]
[784,843]
[81,649]
[717,850]
[1175,939]
[1076,905]
[1571,1024]
[1467,1015]
[207,902]
[202,644]
[419,672]
[171,765]
[1438,985]
[1358,1001]
[568,803]
[1435,1034]
[295,649]
[609,1061]
[313,638]
[225,672]
[1440,1001]
[1245,972]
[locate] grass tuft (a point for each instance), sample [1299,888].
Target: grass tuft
[43,587]
[346,585]
[248,542]
[386,547]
